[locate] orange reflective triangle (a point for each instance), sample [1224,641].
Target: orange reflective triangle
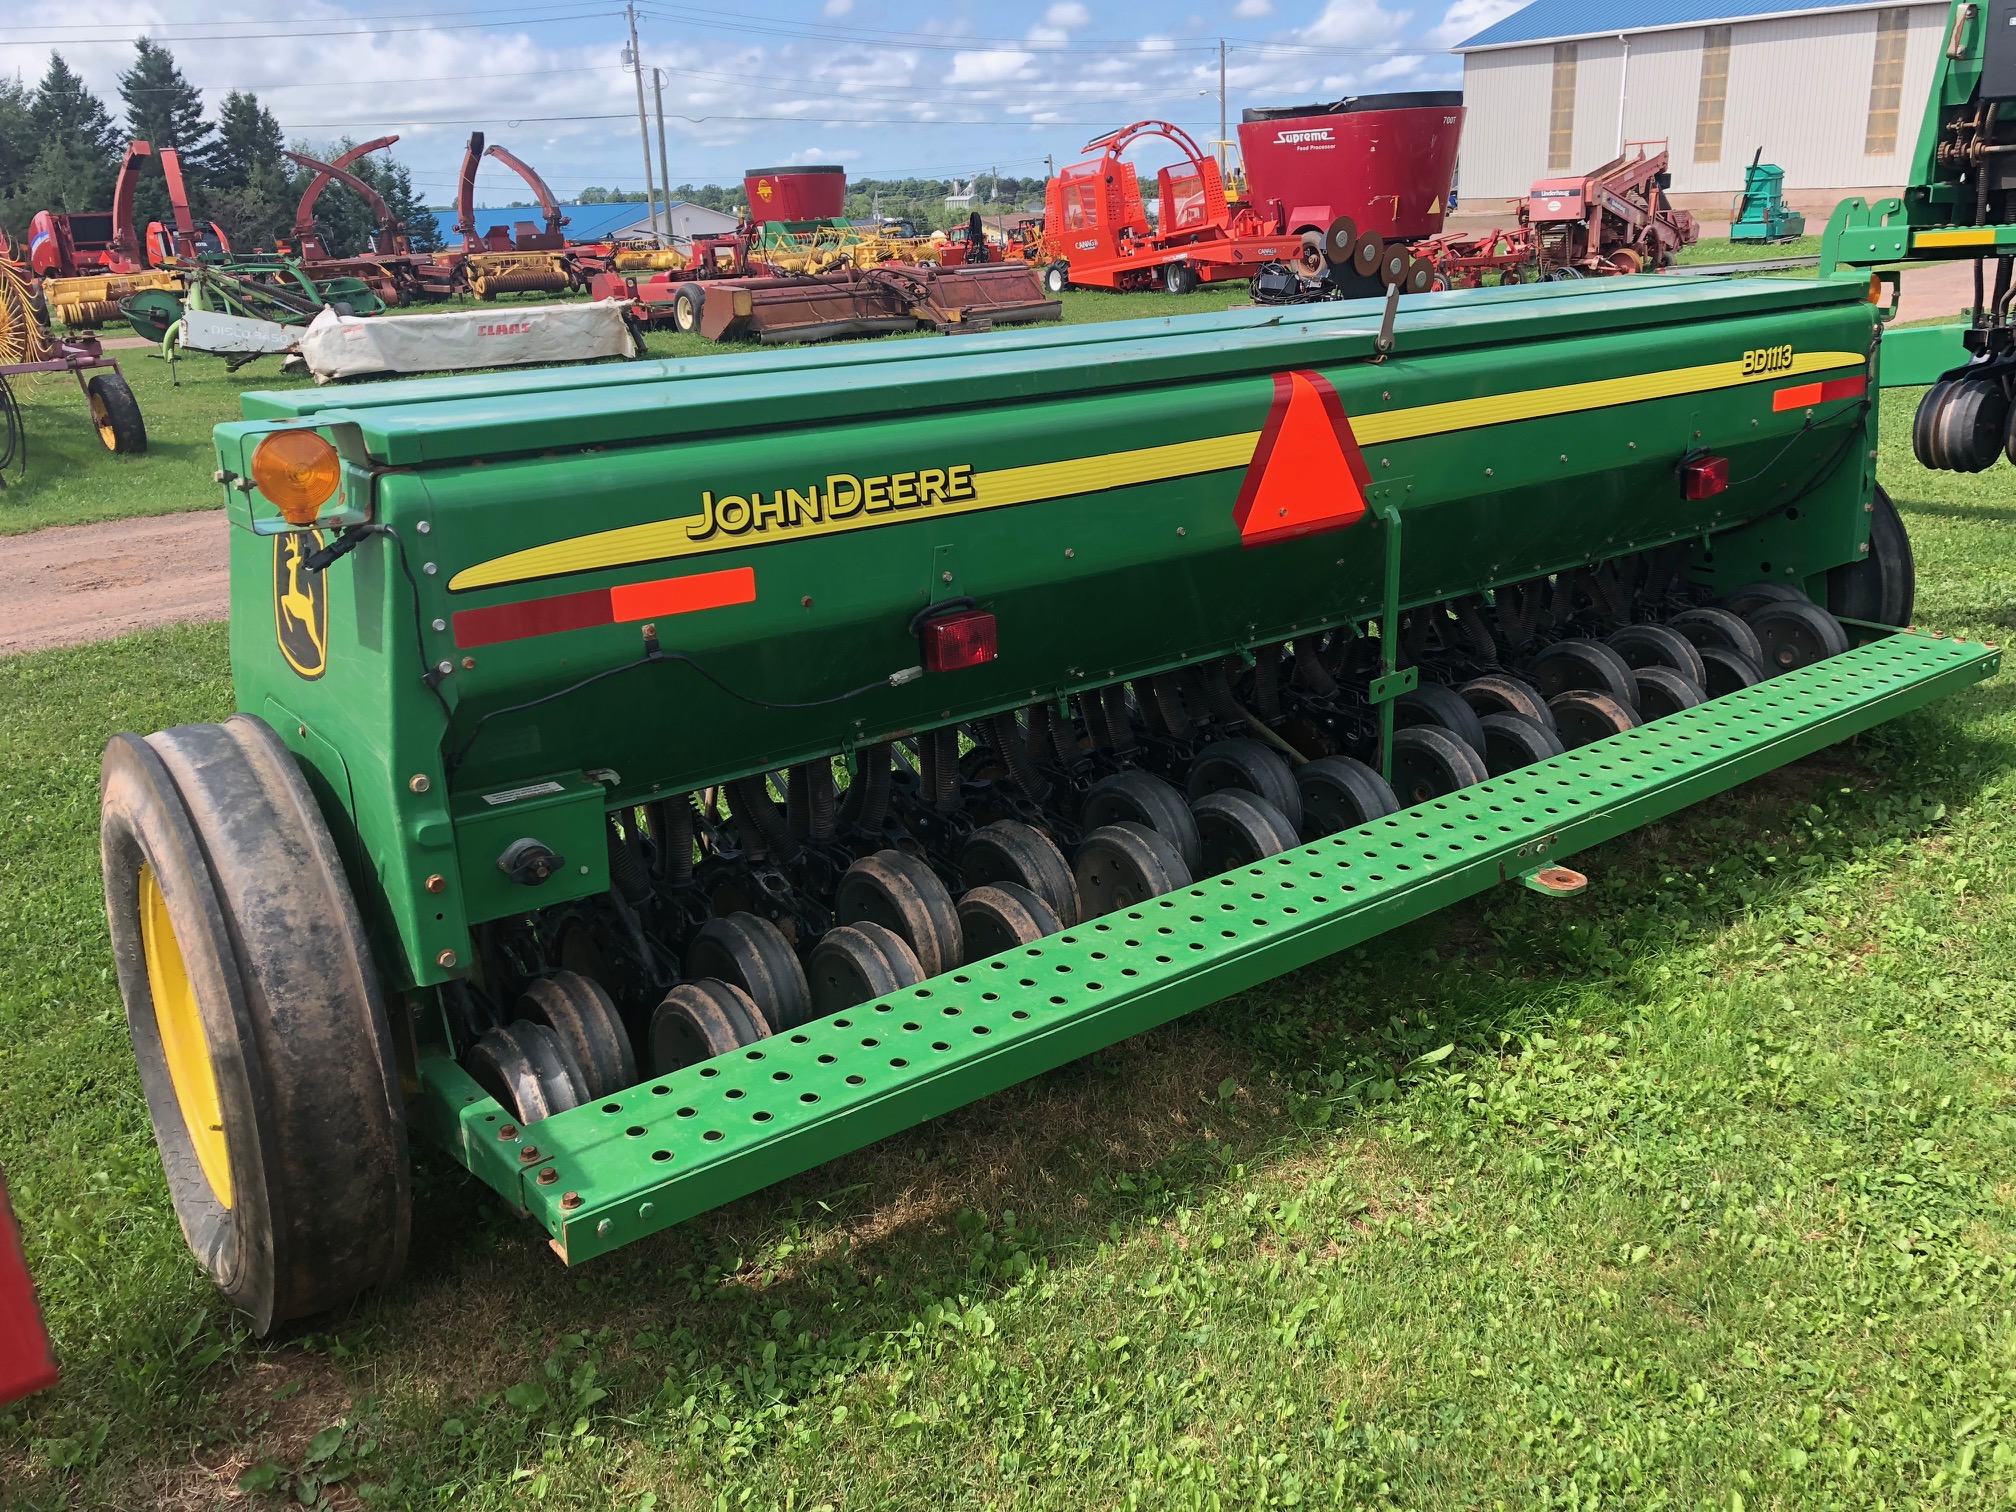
[1307,474]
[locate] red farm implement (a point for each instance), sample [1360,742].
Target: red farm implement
[88,262]
[1097,233]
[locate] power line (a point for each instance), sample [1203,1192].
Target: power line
[808,118]
[291,34]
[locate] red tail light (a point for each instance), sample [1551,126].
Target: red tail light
[1704,477]
[952,641]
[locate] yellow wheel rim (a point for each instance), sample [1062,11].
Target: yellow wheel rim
[101,417]
[183,1044]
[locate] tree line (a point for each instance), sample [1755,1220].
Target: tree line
[60,150]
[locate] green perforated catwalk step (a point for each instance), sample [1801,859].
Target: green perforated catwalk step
[609,1172]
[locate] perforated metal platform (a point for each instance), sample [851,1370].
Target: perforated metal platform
[607,1173]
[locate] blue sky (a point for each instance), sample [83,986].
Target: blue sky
[889,91]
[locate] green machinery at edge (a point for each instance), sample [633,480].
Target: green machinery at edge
[653,781]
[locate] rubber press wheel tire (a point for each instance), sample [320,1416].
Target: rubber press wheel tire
[1239,828]
[1729,671]
[1925,424]
[263,1044]
[697,1021]
[1445,708]
[1663,691]
[528,1070]
[901,893]
[1585,664]
[1501,693]
[746,950]
[115,414]
[689,301]
[1341,793]
[1644,646]
[1881,587]
[1430,763]
[1512,741]
[858,963]
[1119,865]
[1250,766]
[1971,425]
[581,1014]
[1002,916]
[1797,634]
[1146,799]
[1751,597]
[1707,627]
[1010,851]
[1583,717]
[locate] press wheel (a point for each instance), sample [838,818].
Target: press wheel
[1250,766]
[1662,691]
[1238,828]
[1729,671]
[1754,596]
[1340,793]
[901,893]
[1430,763]
[264,1048]
[1119,865]
[580,1013]
[1708,626]
[1010,851]
[1433,704]
[528,1070]
[1582,716]
[1146,799]
[700,1020]
[1658,646]
[858,963]
[746,950]
[1797,634]
[1882,587]
[1501,693]
[1584,664]
[1001,916]
[1512,741]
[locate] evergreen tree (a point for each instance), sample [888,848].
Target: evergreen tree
[391,179]
[73,151]
[248,139]
[18,149]
[164,108]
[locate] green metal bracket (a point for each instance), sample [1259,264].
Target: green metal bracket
[1383,690]
[1383,500]
[681,1144]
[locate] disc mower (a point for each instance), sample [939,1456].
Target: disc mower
[650,782]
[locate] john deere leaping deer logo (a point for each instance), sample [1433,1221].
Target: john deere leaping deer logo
[300,604]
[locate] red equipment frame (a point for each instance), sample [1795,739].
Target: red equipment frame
[26,1362]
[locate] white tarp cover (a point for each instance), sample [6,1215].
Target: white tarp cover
[345,346]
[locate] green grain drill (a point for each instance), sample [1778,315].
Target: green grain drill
[653,781]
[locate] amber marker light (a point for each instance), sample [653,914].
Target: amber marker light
[297,470]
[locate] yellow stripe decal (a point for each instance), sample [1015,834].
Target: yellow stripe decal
[667,540]
[1968,237]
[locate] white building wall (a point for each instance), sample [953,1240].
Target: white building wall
[1798,87]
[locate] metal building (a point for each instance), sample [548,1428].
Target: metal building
[626,221]
[1832,92]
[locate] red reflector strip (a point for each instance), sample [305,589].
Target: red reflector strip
[604,606]
[1806,395]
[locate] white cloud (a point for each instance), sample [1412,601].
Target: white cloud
[1466,18]
[1351,23]
[987,67]
[836,7]
[1248,10]
[1067,14]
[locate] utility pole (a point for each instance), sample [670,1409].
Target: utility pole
[664,173]
[634,60]
[1224,166]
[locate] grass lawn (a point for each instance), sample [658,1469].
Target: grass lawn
[1698,1190]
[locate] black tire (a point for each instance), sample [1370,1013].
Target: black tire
[689,301]
[1971,425]
[1146,799]
[1119,865]
[1883,586]
[1178,278]
[746,950]
[1010,851]
[1708,626]
[1341,793]
[1644,646]
[1430,763]
[1367,253]
[1501,693]
[577,1010]
[115,413]
[1925,424]
[1339,241]
[1663,691]
[858,963]
[1002,916]
[1582,717]
[1512,741]
[272,987]
[901,893]
[1445,708]
[1729,671]
[1056,278]
[700,1020]
[528,1070]
[1238,828]
[1584,664]
[1797,634]
[1754,596]
[1251,767]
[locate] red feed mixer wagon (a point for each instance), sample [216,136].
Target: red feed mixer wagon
[1385,160]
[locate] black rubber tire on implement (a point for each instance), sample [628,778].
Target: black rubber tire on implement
[1512,741]
[1445,708]
[1119,865]
[1430,763]
[1658,646]
[528,1070]
[858,963]
[273,988]
[1585,664]
[1582,717]
[1797,634]
[1238,829]
[1010,851]
[115,414]
[1751,597]
[1002,916]
[1144,798]
[1178,278]
[1883,586]
[1251,767]
[1056,278]
[1925,424]
[697,1021]
[689,301]
[1971,425]
[746,950]
[577,1010]
[901,893]
[1501,693]
[1340,793]
[1663,691]
[1729,671]
[1708,626]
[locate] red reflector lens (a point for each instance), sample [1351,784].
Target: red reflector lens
[1704,477]
[965,639]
